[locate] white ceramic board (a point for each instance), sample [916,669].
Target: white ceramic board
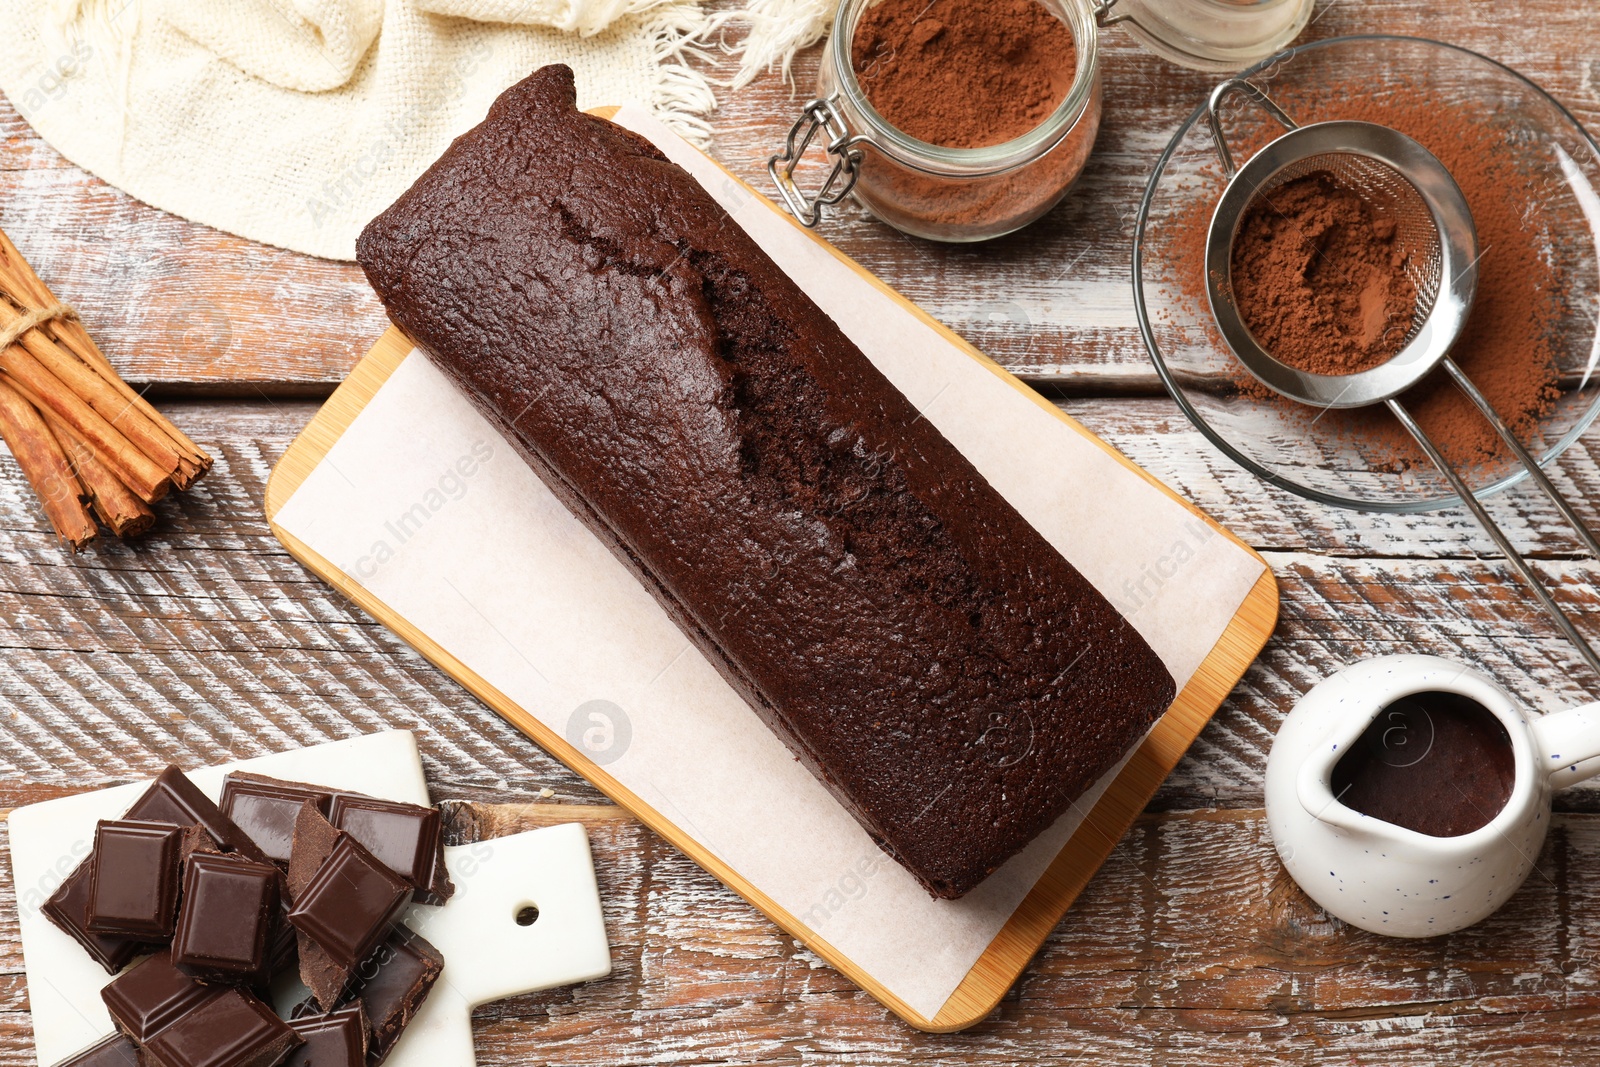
[488,956]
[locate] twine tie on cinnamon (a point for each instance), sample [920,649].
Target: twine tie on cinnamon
[37,317]
[94,450]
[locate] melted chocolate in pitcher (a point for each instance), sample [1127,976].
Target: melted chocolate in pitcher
[1437,763]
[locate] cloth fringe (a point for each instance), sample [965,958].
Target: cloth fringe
[682,96]
[778,30]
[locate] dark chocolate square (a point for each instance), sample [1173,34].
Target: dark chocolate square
[266,809]
[114,1051]
[171,798]
[392,985]
[68,910]
[233,1029]
[226,922]
[350,903]
[152,995]
[407,837]
[337,1039]
[133,890]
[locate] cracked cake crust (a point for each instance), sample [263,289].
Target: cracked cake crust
[920,647]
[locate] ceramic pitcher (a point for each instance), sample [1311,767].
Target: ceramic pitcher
[1390,879]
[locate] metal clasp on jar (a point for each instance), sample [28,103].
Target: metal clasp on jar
[818,116]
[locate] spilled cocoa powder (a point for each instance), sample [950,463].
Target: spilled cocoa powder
[1508,346]
[1319,280]
[962,73]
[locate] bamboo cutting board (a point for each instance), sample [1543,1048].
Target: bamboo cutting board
[1021,935]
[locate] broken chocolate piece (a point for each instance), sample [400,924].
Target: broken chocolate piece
[314,838]
[408,838]
[350,903]
[267,808]
[114,1051]
[196,839]
[232,1029]
[173,798]
[392,986]
[68,910]
[133,888]
[337,1039]
[225,927]
[326,979]
[152,995]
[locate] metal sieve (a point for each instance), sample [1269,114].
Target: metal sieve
[1405,183]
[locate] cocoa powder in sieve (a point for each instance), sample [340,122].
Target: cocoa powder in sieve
[1318,279]
[1507,347]
[960,73]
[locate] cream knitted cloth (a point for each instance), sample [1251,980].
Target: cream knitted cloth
[293,122]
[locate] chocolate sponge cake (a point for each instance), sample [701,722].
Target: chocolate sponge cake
[926,653]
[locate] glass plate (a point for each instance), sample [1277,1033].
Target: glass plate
[1359,460]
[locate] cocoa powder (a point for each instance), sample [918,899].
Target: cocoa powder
[1318,278]
[1508,344]
[960,73]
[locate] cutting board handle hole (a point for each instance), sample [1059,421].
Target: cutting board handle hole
[526,914]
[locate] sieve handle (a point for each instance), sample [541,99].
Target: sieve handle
[1214,115]
[1498,535]
[1541,479]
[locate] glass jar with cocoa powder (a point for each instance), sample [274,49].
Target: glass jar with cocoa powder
[962,120]
[945,191]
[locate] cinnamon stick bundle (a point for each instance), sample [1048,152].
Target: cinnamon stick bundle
[91,446]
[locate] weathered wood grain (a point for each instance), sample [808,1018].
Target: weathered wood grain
[185,306]
[194,310]
[206,640]
[1190,946]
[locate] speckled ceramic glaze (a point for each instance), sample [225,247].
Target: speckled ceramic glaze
[1386,878]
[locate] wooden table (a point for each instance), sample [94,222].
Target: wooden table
[206,641]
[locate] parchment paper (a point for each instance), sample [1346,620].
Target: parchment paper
[427,507]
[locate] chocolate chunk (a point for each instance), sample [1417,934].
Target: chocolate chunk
[266,809]
[153,995]
[225,926]
[114,1051]
[314,838]
[337,1039]
[133,891]
[196,839]
[319,972]
[68,909]
[392,986]
[173,798]
[350,903]
[232,1029]
[407,837]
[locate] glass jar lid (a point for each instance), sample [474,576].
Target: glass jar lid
[1211,35]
